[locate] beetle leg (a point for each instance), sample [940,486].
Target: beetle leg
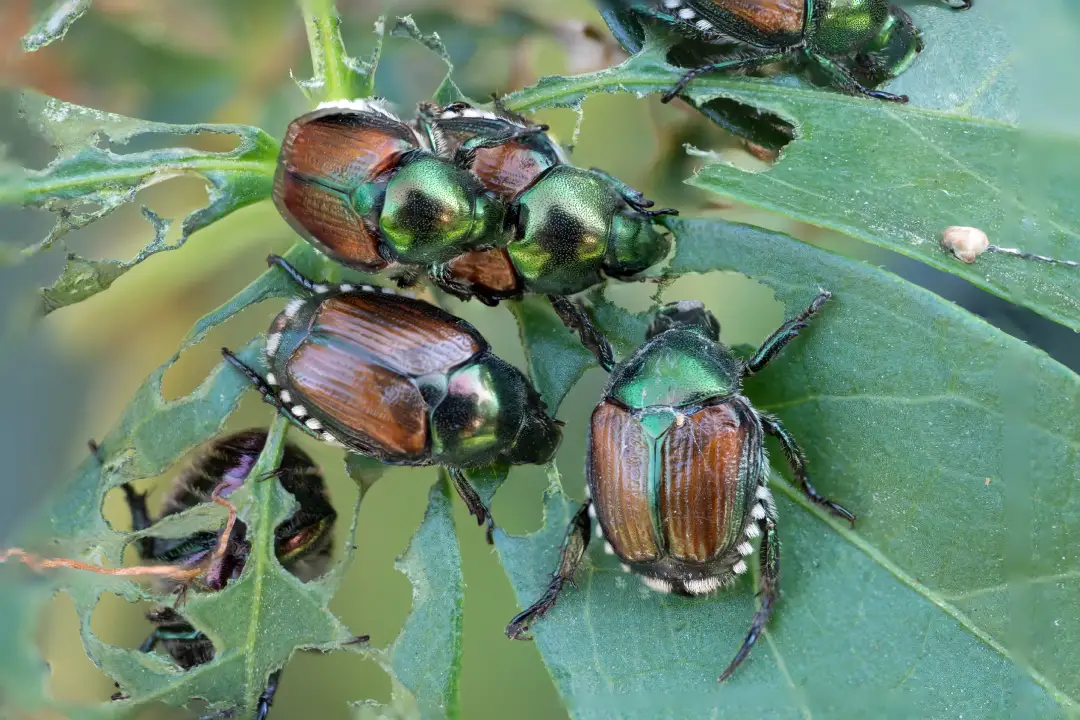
[784,334]
[842,79]
[574,546]
[465,155]
[797,462]
[267,698]
[574,317]
[472,500]
[746,62]
[770,582]
[140,520]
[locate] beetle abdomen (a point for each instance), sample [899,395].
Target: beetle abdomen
[776,17]
[408,336]
[489,273]
[618,474]
[703,496]
[329,218]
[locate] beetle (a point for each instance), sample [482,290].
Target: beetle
[574,226]
[854,43]
[401,381]
[303,543]
[362,186]
[676,467]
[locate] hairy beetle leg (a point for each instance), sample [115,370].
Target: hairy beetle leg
[575,318]
[770,577]
[797,462]
[740,63]
[784,334]
[472,500]
[574,546]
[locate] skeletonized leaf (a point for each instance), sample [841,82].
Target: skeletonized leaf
[90,178]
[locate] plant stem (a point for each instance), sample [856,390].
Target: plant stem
[329,62]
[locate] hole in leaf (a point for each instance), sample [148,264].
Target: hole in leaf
[73,677]
[315,684]
[747,310]
[195,364]
[147,142]
[375,598]
[119,622]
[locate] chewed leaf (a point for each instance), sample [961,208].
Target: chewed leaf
[55,23]
[336,75]
[927,423]
[448,91]
[88,179]
[898,176]
[424,661]
[255,623]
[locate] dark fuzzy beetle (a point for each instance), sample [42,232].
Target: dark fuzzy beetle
[303,543]
[401,381]
[854,43]
[676,467]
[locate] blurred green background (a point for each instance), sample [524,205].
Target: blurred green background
[68,377]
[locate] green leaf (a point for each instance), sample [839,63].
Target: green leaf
[337,76]
[54,25]
[957,446]
[256,622]
[897,175]
[86,182]
[424,662]
[447,92]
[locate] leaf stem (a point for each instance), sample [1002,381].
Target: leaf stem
[328,59]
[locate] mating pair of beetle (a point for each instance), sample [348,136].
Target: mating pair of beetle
[676,466]
[484,203]
[855,44]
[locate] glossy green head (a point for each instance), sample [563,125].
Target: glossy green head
[892,50]
[682,362]
[433,211]
[634,245]
[840,27]
[491,413]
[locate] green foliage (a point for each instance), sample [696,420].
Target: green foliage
[86,182]
[898,175]
[905,405]
[955,444]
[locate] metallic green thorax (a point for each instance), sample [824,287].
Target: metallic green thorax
[433,211]
[843,26]
[676,368]
[574,225]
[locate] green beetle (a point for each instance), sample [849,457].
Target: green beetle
[676,468]
[856,44]
[361,185]
[574,227]
[401,381]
